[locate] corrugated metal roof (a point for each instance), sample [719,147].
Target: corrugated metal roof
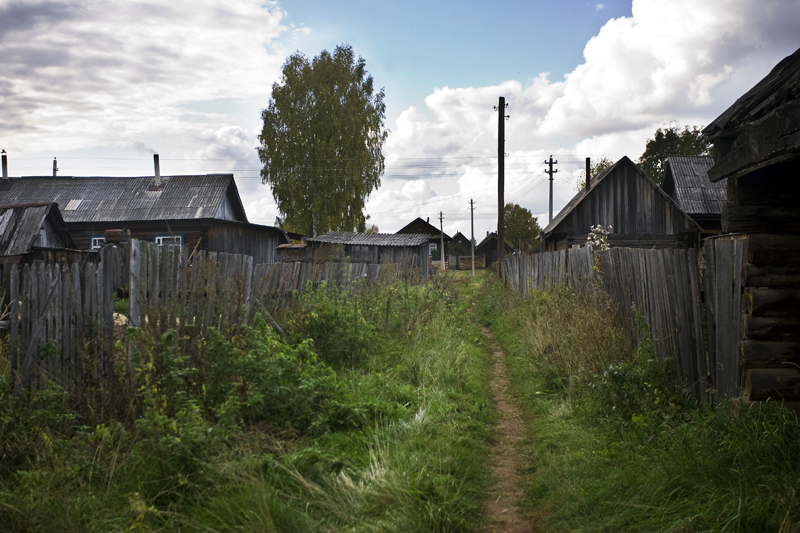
[371,239]
[693,191]
[102,199]
[20,226]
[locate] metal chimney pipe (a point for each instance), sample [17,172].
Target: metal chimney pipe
[5,165]
[157,181]
[55,167]
[588,172]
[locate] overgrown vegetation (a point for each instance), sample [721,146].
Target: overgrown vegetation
[618,446]
[370,415]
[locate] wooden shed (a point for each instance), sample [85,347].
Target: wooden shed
[686,181]
[35,231]
[488,248]
[203,211]
[405,250]
[641,214]
[757,153]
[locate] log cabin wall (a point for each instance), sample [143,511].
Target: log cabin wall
[757,152]
[640,213]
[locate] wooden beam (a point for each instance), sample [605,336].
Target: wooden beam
[772,328]
[771,249]
[783,303]
[760,219]
[768,141]
[785,277]
[760,354]
[777,383]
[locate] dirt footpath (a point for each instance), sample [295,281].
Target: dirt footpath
[505,457]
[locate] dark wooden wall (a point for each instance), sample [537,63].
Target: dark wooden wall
[641,215]
[259,242]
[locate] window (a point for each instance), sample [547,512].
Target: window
[96,242]
[168,239]
[433,246]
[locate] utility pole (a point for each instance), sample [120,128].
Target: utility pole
[472,230]
[441,235]
[501,155]
[551,172]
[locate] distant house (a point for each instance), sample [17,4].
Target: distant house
[203,212]
[686,181]
[459,245]
[488,248]
[424,227]
[27,230]
[408,250]
[641,214]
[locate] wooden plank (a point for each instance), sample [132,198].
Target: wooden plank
[778,383]
[13,270]
[697,326]
[76,326]
[36,336]
[133,283]
[769,249]
[762,354]
[183,266]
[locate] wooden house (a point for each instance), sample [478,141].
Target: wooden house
[757,154]
[203,212]
[488,248]
[405,250]
[424,227]
[34,231]
[640,213]
[459,245]
[686,181]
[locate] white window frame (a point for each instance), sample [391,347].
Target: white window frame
[176,240]
[96,242]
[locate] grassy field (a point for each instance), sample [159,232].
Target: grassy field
[617,445]
[371,415]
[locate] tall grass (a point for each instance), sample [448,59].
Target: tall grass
[371,415]
[618,446]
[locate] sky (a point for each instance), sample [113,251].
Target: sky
[102,85]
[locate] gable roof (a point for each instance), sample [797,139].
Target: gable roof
[422,227]
[488,239]
[460,237]
[371,239]
[104,199]
[686,181]
[21,227]
[595,182]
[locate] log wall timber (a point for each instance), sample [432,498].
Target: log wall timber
[772,383]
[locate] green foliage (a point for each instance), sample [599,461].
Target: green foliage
[521,228]
[321,141]
[668,142]
[618,447]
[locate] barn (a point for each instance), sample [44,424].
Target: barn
[640,213]
[757,156]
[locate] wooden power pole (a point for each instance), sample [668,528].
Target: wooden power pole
[472,231]
[551,172]
[501,155]
[441,235]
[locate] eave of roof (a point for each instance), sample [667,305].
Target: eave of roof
[371,239]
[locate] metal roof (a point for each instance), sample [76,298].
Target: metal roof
[104,199]
[371,239]
[20,226]
[686,181]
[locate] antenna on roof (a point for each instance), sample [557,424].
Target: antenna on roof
[5,165]
[55,167]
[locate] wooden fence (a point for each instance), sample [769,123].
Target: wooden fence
[665,287]
[61,315]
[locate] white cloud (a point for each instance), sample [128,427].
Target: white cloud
[78,74]
[679,60]
[599,7]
